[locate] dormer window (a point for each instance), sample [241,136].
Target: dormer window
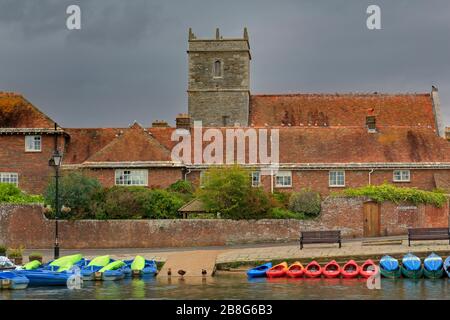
[217,69]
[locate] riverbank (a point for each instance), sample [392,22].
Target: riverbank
[239,258]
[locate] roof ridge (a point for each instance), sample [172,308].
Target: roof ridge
[337,94]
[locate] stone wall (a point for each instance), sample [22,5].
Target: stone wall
[26,225]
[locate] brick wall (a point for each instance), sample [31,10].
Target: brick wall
[32,167]
[26,225]
[317,180]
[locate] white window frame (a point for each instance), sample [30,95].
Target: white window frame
[30,143]
[401,175]
[256,183]
[202,178]
[131,177]
[333,180]
[9,177]
[286,176]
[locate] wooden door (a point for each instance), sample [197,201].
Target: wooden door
[371,218]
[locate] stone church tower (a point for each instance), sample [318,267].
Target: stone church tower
[219,80]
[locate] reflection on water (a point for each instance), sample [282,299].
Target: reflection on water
[239,287]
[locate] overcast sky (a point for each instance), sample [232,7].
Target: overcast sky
[129,62]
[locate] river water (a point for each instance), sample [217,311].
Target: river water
[237,286]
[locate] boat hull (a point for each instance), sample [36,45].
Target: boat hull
[13,281]
[435,274]
[391,274]
[260,271]
[45,278]
[412,274]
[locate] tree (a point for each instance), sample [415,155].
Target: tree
[228,190]
[75,191]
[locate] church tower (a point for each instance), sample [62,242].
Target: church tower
[219,80]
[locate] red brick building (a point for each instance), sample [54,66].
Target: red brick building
[342,151]
[326,141]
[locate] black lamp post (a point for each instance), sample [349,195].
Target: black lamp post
[55,161]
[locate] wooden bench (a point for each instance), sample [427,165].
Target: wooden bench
[428,234]
[330,236]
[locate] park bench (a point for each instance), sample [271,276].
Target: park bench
[428,234]
[330,236]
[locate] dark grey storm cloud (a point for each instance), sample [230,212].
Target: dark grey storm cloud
[129,60]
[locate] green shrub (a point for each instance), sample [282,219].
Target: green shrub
[9,193]
[161,204]
[282,198]
[124,203]
[280,213]
[228,190]
[181,186]
[76,191]
[389,192]
[3,250]
[15,252]
[306,201]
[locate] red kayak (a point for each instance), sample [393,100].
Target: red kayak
[368,269]
[350,270]
[277,271]
[313,270]
[296,270]
[331,269]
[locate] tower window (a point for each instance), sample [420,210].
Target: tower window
[217,69]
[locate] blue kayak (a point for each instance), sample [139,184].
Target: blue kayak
[11,280]
[433,262]
[433,266]
[259,271]
[411,262]
[447,266]
[389,264]
[45,277]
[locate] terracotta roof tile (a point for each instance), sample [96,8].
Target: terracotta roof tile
[135,144]
[17,112]
[341,109]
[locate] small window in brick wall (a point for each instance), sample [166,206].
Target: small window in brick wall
[33,143]
[283,179]
[337,178]
[9,177]
[132,177]
[402,176]
[256,179]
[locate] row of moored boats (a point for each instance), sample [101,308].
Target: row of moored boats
[59,271]
[433,267]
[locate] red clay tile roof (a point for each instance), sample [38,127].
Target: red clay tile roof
[85,142]
[17,112]
[356,145]
[341,109]
[135,144]
[349,145]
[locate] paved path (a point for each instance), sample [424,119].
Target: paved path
[240,255]
[191,262]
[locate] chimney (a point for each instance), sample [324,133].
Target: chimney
[183,121]
[160,124]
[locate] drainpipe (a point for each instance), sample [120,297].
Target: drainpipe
[271,181]
[370,176]
[186,172]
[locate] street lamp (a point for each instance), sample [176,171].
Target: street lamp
[55,162]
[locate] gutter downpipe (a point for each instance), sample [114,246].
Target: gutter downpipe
[186,173]
[370,176]
[271,180]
